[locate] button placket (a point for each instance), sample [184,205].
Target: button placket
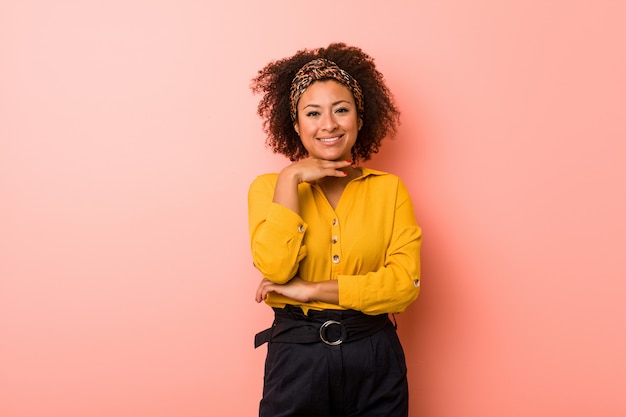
[336,258]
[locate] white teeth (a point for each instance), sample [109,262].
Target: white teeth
[329,139]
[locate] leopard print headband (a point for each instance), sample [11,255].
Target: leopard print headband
[322,69]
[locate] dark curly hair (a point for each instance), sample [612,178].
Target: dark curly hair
[380,115]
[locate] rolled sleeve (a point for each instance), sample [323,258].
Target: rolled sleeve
[392,288]
[396,284]
[277,236]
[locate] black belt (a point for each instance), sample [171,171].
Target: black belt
[332,327]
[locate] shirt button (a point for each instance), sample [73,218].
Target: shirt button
[335,222]
[336,259]
[301,228]
[334,239]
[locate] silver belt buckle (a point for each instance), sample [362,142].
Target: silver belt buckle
[323,330]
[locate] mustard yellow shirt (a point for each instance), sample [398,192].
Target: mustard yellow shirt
[370,243]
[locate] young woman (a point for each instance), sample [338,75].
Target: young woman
[336,243]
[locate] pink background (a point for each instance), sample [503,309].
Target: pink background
[128,138]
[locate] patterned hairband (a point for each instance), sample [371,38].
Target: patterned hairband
[322,69]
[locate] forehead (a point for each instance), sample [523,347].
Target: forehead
[326,91]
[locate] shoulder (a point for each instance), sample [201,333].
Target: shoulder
[379,177]
[384,182]
[264,180]
[262,187]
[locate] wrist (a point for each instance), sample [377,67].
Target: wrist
[314,291]
[290,175]
[325,291]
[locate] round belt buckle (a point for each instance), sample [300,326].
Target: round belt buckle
[323,331]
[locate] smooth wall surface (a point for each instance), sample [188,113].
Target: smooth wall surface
[128,138]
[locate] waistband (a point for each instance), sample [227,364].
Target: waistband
[332,327]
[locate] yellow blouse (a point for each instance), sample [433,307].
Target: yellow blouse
[370,243]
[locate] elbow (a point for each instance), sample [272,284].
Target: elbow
[407,290]
[278,266]
[408,299]
[274,273]
[393,304]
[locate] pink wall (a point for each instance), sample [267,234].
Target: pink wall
[128,138]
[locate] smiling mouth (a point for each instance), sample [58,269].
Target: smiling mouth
[328,140]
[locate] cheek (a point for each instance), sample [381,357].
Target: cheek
[306,129]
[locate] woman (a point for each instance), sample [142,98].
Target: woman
[336,243]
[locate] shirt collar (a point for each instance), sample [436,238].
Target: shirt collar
[368,171]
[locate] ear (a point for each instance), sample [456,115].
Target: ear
[360,123]
[296,127]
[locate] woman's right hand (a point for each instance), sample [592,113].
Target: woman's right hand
[305,170]
[312,169]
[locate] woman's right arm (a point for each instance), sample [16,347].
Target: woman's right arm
[286,191]
[276,231]
[276,228]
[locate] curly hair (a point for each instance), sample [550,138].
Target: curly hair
[380,115]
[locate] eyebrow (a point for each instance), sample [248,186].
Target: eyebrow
[333,104]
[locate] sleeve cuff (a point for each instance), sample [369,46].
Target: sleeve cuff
[285,221]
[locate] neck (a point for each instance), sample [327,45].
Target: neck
[353,172]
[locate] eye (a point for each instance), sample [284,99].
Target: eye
[312,114]
[342,110]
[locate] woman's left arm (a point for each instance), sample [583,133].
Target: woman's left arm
[396,284]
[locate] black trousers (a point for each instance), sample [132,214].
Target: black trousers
[364,378]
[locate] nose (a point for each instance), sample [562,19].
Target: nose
[328,122]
